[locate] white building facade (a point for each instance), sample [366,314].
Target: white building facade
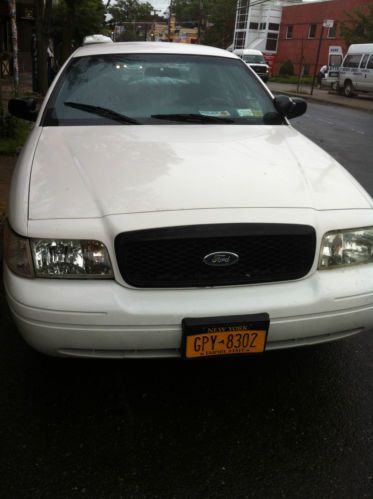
[258,24]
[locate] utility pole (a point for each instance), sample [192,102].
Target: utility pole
[200,10]
[326,24]
[155,13]
[169,20]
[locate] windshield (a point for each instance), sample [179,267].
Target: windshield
[254,59]
[158,89]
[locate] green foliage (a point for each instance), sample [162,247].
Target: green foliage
[130,11]
[220,17]
[359,27]
[292,80]
[215,18]
[287,68]
[82,18]
[188,12]
[13,133]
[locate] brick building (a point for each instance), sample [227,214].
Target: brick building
[300,32]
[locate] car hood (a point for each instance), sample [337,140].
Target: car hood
[85,172]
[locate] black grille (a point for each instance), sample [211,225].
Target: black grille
[173,256]
[258,69]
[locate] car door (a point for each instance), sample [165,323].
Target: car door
[361,78]
[368,75]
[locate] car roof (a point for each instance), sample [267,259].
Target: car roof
[151,48]
[248,51]
[360,47]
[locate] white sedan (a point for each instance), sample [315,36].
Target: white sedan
[164,206]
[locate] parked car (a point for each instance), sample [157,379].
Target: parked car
[256,61]
[356,72]
[164,206]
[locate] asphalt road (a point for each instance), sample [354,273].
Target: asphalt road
[293,424]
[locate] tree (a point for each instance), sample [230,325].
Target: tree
[188,12]
[72,21]
[43,10]
[359,27]
[287,68]
[214,18]
[13,23]
[220,16]
[129,13]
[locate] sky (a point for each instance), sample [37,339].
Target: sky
[160,4]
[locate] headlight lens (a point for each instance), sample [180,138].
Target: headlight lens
[17,253]
[346,247]
[71,258]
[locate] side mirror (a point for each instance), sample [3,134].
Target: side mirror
[291,107]
[23,108]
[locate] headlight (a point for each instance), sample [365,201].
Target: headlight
[71,258]
[17,253]
[346,247]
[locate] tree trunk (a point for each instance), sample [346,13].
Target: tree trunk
[13,24]
[67,35]
[43,9]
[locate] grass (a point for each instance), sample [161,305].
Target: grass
[305,80]
[13,134]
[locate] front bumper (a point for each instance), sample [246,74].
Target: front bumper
[105,319]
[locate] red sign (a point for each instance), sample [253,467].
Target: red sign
[270,60]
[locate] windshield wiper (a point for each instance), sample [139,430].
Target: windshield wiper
[192,117]
[102,111]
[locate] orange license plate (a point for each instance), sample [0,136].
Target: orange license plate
[225,336]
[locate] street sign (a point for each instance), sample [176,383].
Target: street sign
[328,23]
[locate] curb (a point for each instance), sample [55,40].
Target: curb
[313,98]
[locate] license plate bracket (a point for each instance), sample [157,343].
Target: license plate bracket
[224,336]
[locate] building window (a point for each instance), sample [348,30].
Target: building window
[272,42]
[240,40]
[289,31]
[312,31]
[242,21]
[273,27]
[254,26]
[332,32]
[262,25]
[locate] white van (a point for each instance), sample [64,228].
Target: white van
[356,72]
[335,57]
[255,60]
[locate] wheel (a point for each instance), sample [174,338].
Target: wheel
[348,89]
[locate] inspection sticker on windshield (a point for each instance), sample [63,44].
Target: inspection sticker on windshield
[216,114]
[224,336]
[245,112]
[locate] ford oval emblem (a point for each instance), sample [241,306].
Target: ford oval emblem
[221,259]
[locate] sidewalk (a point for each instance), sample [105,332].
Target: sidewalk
[362,102]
